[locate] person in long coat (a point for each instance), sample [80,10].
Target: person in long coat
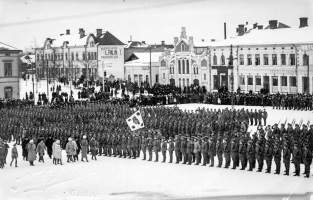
[70,149]
[84,148]
[31,152]
[14,155]
[57,152]
[41,147]
[94,148]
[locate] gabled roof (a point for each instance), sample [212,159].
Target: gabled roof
[143,58]
[73,39]
[108,39]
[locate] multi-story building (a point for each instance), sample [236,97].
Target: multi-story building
[277,58]
[10,64]
[71,55]
[142,61]
[186,64]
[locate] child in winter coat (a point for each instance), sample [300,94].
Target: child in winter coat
[57,152]
[14,155]
[41,147]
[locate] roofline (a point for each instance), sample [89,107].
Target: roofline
[10,51]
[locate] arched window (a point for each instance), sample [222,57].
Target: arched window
[8,92]
[214,60]
[222,60]
[187,66]
[163,63]
[203,63]
[183,48]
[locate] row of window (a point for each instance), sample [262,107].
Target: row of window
[138,78]
[66,56]
[258,82]
[248,60]
[257,59]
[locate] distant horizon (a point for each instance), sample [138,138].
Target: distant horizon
[27,23]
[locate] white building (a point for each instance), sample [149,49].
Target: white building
[275,58]
[10,65]
[187,63]
[142,66]
[71,55]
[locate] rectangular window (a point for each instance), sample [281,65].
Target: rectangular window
[275,80]
[179,66]
[204,76]
[242,80]
[8,92]
[187,81]
[163,75]
[136,78]
[293,81]
[65,56]
[215,82]
[157,78]
[257,59]
[187,66]
[283,59]
[265,59]
[257,80]
[249,59]
[183,61]
[8,69]
[250,80]
[274,59]
[283,80]
[292,59]
[241,59]
[77,56]
[84,56]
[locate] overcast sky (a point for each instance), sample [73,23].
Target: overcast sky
[24,23]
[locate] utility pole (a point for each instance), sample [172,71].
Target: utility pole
[150,67]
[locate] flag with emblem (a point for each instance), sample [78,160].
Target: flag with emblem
[135,121]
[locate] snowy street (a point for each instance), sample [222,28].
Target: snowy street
[118,178]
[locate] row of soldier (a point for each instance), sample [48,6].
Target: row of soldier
[101,120]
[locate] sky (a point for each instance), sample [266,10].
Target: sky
[26,23]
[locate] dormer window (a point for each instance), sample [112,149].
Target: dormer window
[183,47]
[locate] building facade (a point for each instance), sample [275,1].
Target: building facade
[276,59]
[186,64]
[10,64]
[71,55]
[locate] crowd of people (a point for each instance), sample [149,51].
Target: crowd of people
[189,137]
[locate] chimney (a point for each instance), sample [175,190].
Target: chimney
[81,32]
[190,40]
[99,32]
[241,29]
[260,27]
[68,31]
[163,43]
[255,25]
[303,22]
[225,36]
[175,40]
[273,24]
[183,34]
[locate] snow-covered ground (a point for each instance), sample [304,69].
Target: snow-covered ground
[118,178]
